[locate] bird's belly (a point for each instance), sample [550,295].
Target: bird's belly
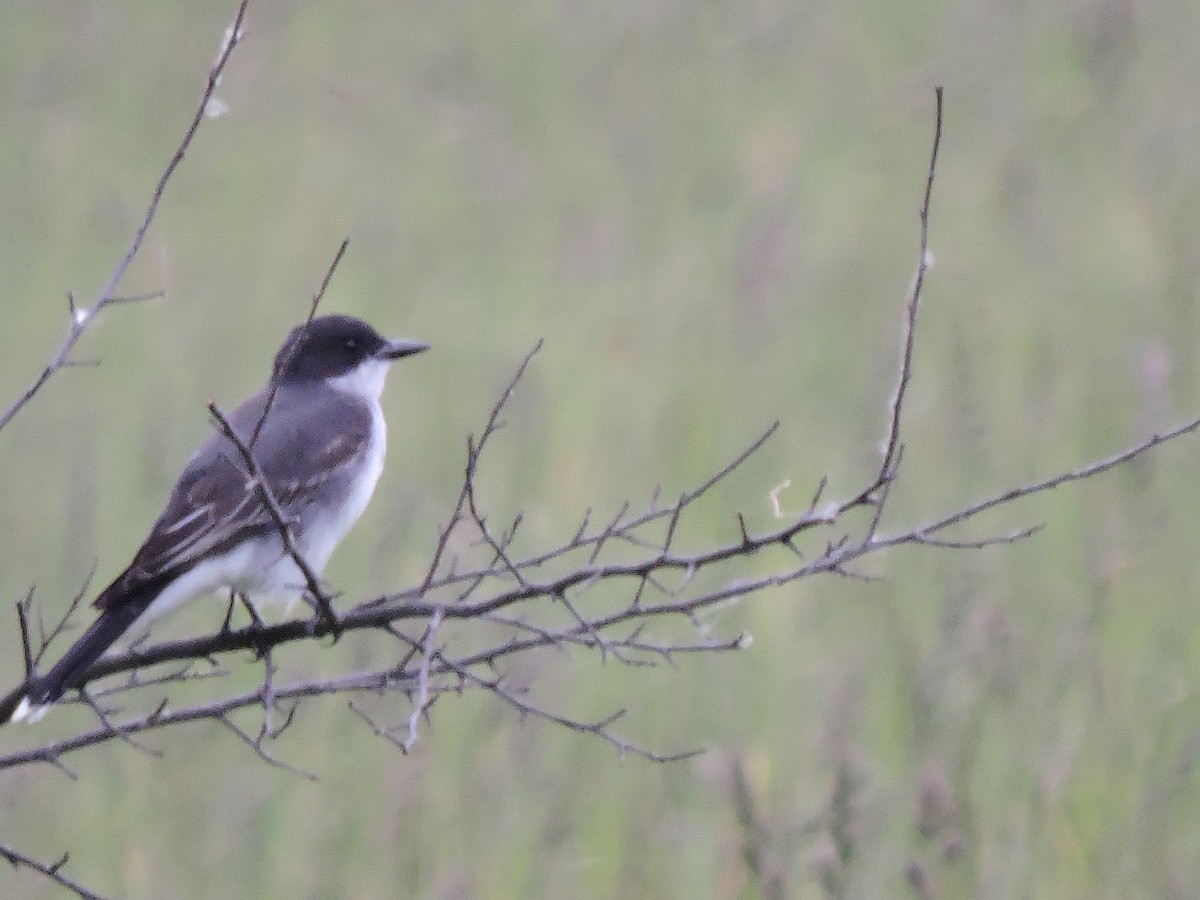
[252,567]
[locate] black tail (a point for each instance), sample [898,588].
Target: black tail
[71,671]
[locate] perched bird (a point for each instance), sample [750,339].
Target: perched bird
[316,433]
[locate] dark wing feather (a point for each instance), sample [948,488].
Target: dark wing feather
[213,505]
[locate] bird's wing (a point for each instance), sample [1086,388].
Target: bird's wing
[214,504]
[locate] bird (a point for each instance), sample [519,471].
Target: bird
[317,434]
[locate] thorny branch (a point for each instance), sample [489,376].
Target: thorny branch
[481,603]
[81,317]
[53,871]
[312,311]
[515,596]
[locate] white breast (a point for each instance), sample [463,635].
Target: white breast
[325,534]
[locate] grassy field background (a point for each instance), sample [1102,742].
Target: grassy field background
[709,213]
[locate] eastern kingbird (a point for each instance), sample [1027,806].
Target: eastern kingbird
[316,432]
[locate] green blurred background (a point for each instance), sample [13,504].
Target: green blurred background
[708,210]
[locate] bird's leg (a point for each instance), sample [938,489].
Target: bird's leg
[256,624]
[324,615]
[228,620]
[256,621]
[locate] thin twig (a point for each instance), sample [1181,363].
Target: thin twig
[81,317]
[421,703]
[312,312]
[892,445]
[53,871]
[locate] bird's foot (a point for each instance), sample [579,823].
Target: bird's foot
[325,620]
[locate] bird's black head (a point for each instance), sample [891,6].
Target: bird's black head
[332,346]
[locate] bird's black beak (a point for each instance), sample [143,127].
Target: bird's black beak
[399,347]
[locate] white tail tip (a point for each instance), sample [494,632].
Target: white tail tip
[29,712]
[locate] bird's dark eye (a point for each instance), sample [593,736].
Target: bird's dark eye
[351,344]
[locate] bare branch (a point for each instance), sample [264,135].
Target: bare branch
[1091,470]
[53,871]
[892,446]
[473,451]
[421,704]
[82,317]
[312,312]
[256,744]
[624,587]
[23,621]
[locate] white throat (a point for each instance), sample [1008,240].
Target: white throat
[364,381]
